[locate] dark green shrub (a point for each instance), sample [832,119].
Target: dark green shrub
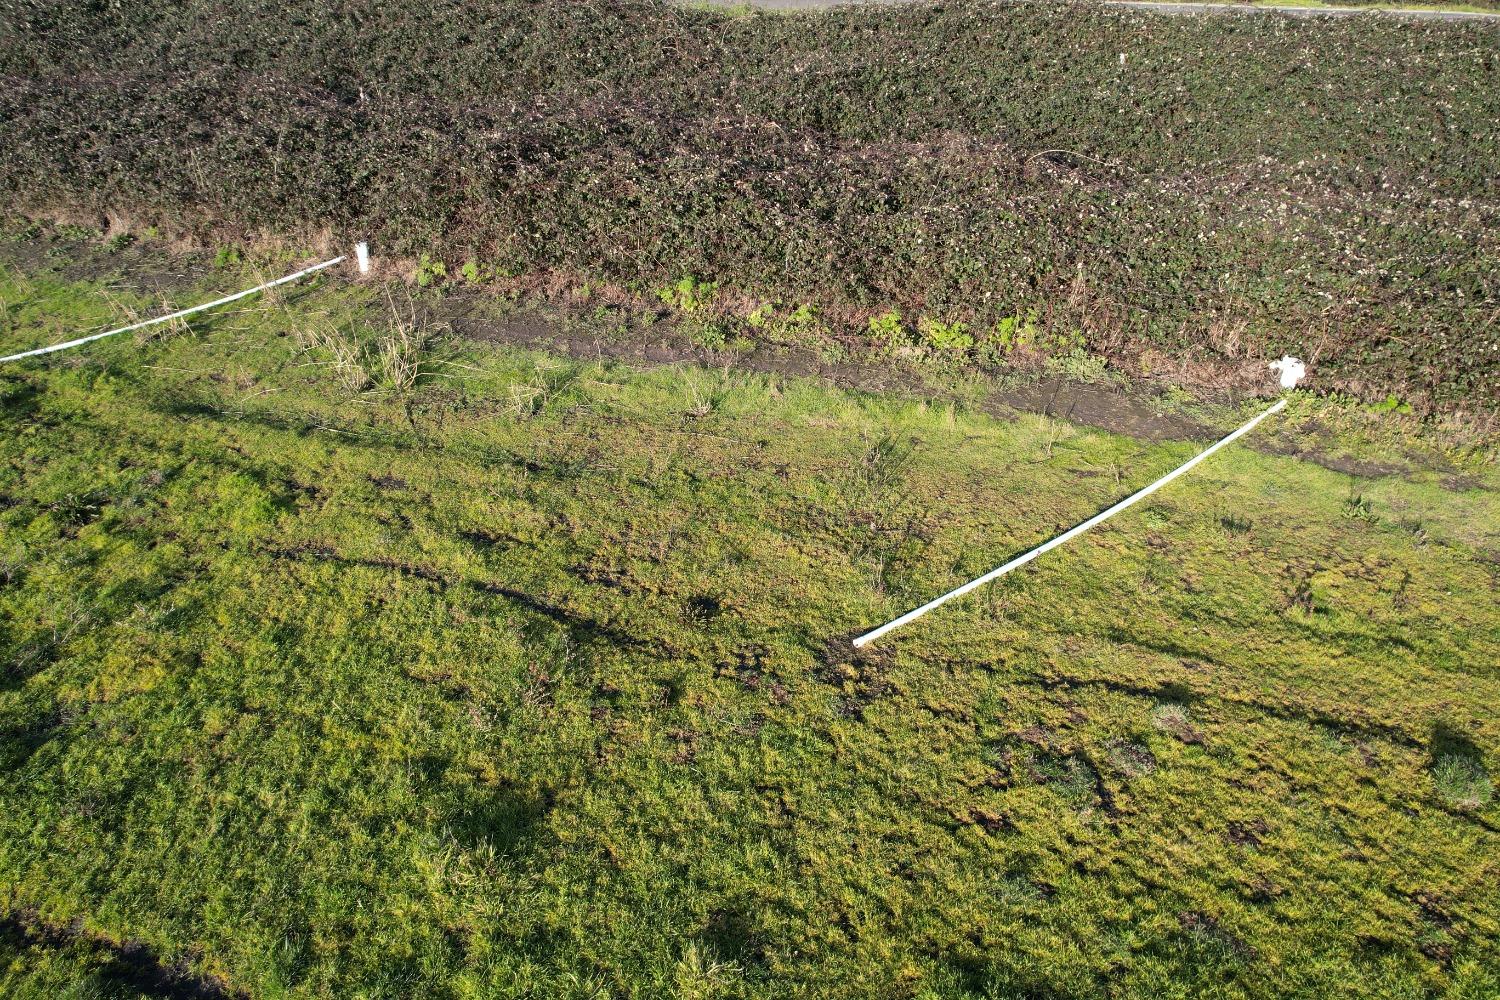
[1240,188]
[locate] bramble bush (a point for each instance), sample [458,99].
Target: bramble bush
[1239,188]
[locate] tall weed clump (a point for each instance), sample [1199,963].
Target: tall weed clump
[392,353]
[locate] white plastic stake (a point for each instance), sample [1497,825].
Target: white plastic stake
[362,257]
[1019,561]
[176,315]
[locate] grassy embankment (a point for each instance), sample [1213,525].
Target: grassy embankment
[1483,7]
[527,677]
[984,179]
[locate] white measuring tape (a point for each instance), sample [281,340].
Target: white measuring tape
[182,312]
[1286,366]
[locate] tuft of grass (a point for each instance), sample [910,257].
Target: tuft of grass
[1173,719]
[392,355]
[1462,782]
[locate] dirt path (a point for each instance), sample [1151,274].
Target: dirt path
[477,317]
[1161,7]
[474,317]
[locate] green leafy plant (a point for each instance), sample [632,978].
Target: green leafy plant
[430,271]
[1078,365]
[1358,507]
[1013,332]
[887,331]
[709,335]
[475,273]
[688,294]
[30,230]
[1391,404]
[805,315]
[948,338]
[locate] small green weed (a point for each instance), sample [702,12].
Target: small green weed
[1014,332]
[1358,507]
[430,271]
[29,231]
[801,325]
[710,335]
[946,338]
[688,294]
[888,331]
[1078,365]
[804,315]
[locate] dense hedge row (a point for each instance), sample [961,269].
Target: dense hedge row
[1240,186]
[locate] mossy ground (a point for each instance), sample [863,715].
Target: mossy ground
[533,680]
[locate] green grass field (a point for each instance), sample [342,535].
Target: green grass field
[460,670]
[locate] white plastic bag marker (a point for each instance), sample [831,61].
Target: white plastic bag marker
[1292,371]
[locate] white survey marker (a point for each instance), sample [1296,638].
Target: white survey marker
[1291,371]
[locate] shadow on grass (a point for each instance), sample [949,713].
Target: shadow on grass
[1449,741]
[125,966]
[504,814]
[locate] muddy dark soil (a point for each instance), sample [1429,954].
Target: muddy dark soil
[651,339]
[126,264]
[474,317]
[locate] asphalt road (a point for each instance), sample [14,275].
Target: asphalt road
[1163,8]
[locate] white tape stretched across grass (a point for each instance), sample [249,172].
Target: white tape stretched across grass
[176,315]
[1019,561]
